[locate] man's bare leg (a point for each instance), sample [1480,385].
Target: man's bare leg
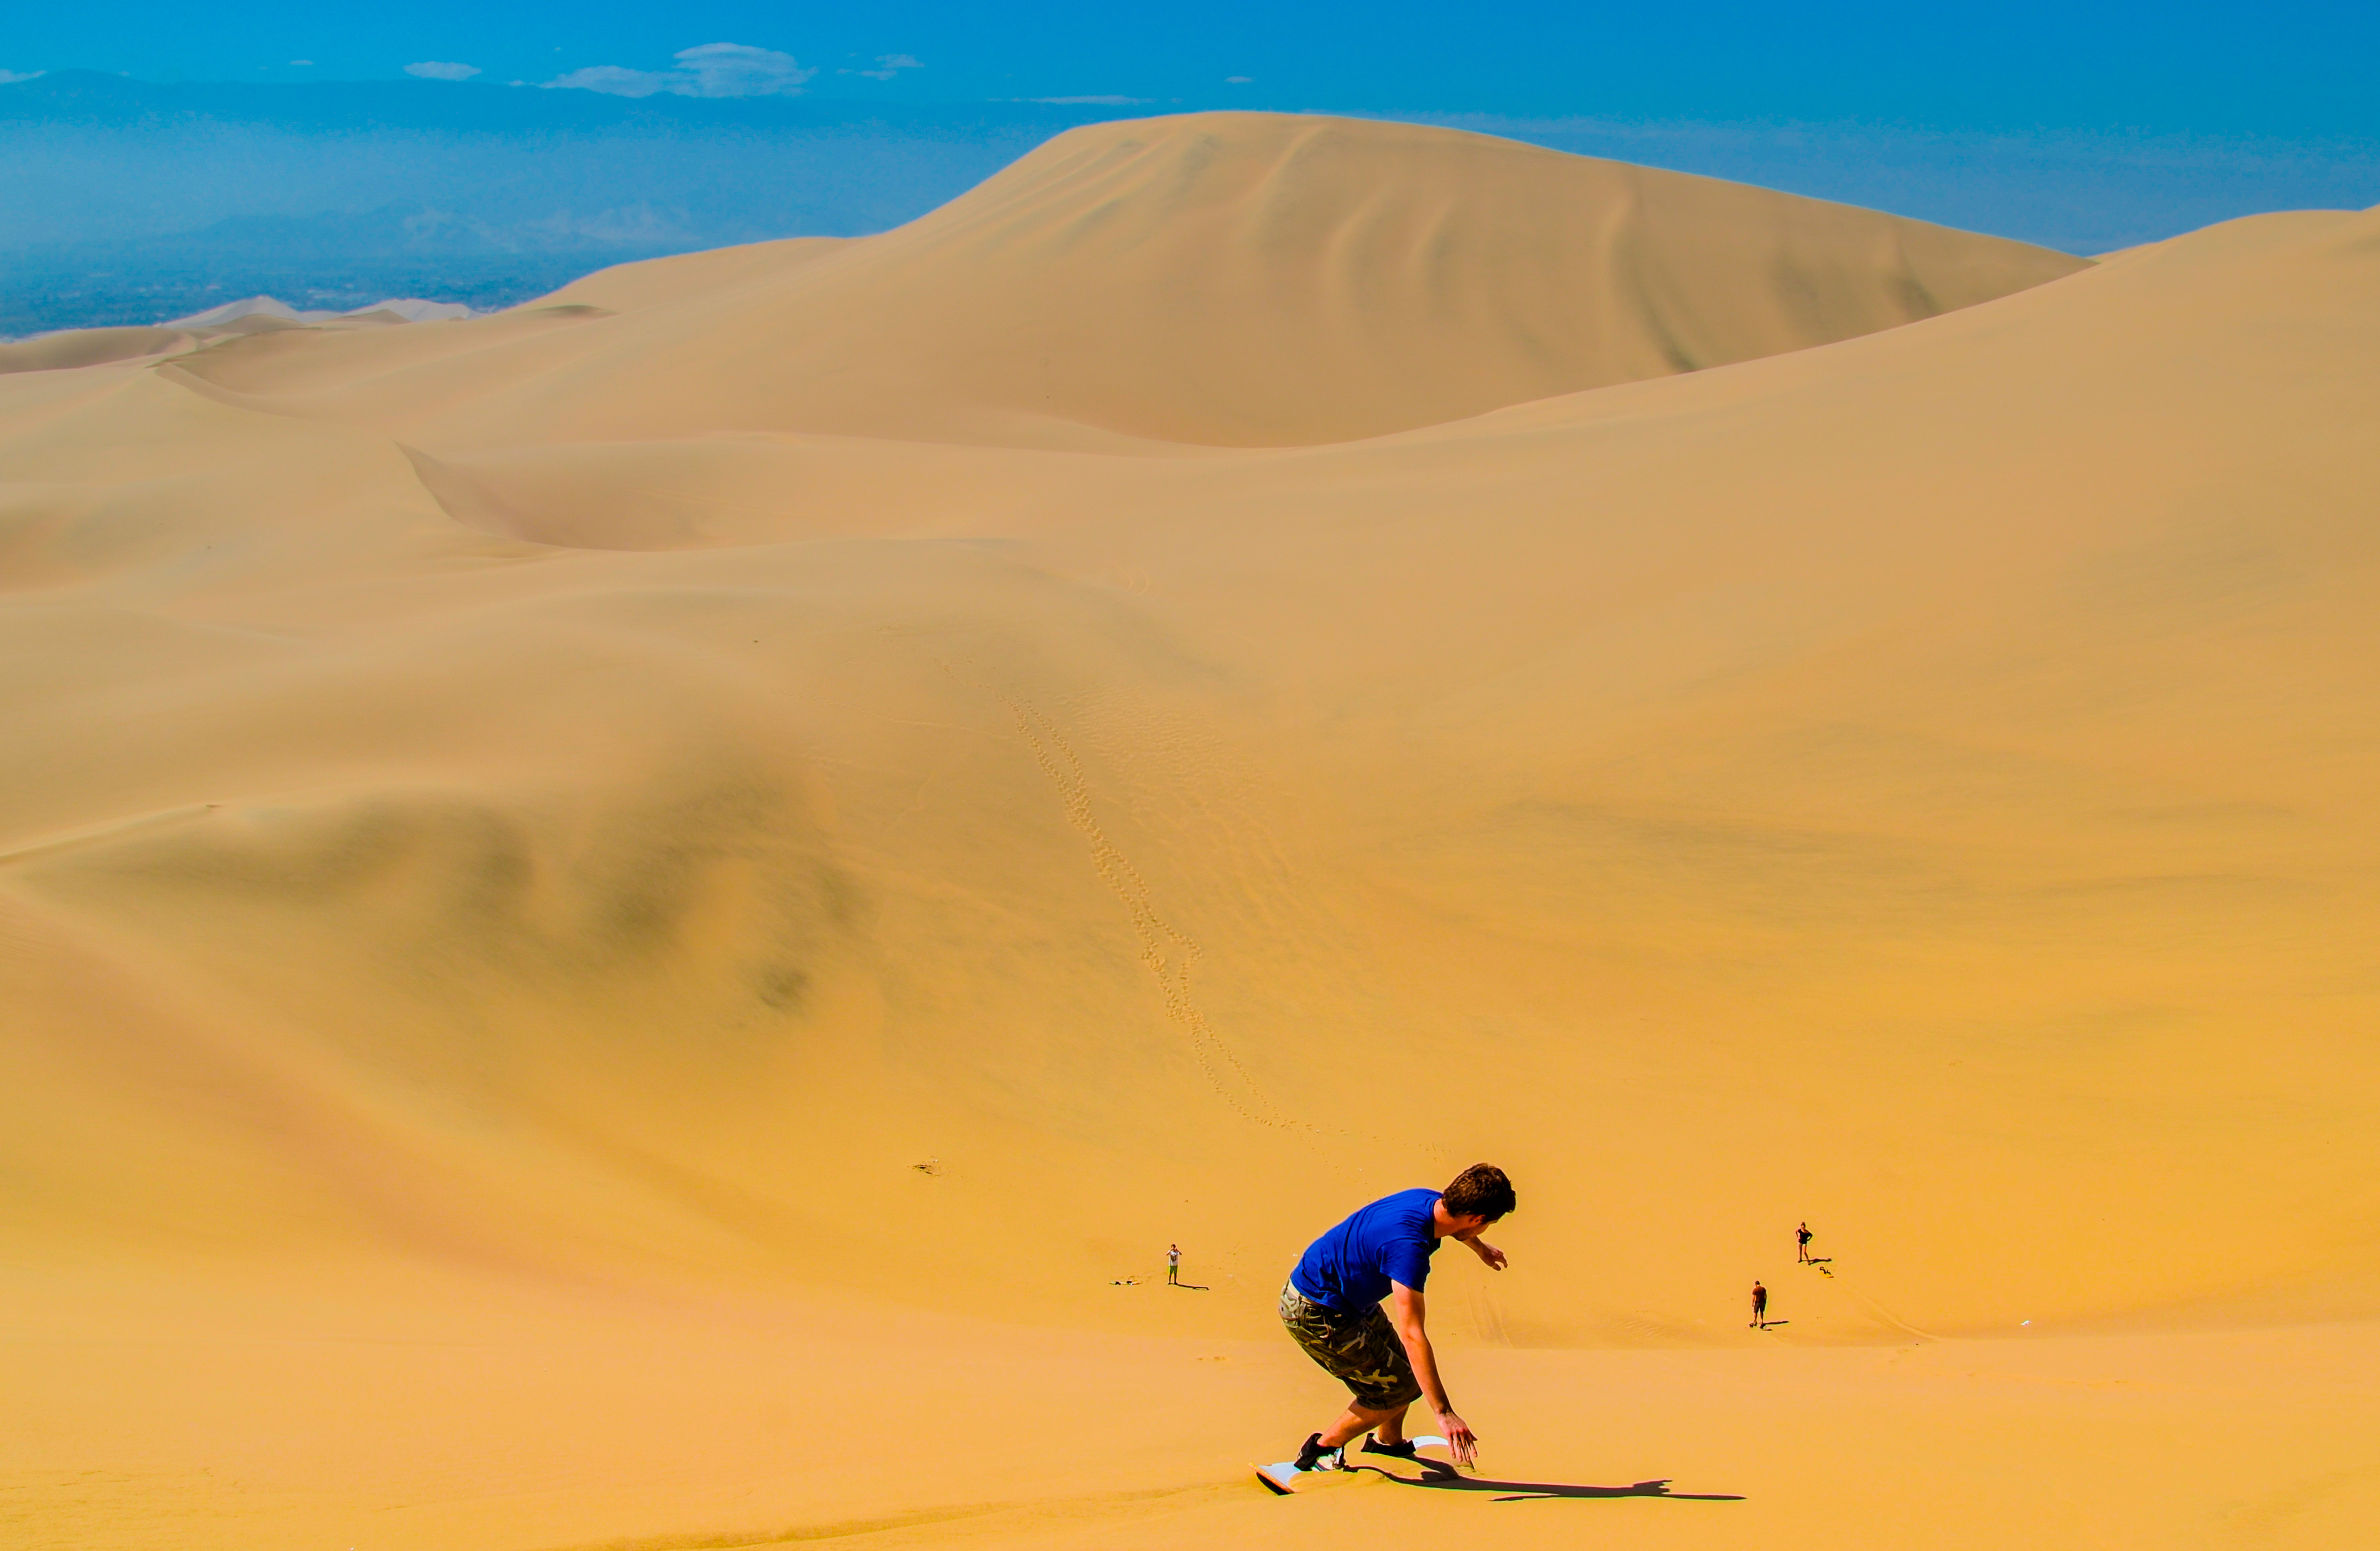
[1354,1421]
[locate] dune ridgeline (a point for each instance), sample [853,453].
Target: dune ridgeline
[1247,662]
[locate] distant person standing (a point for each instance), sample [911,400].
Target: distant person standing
[1760,1307]
[1802,1242]
[1173,1265]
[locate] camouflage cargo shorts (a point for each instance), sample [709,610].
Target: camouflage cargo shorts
[1360,1350]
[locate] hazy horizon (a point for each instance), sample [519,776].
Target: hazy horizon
[132,201]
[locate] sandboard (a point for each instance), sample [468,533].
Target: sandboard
[1284,1478]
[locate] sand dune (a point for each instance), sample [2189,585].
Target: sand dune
[68,348]
[1322,280]
[525,833]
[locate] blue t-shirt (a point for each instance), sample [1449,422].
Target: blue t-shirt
[1351,1266]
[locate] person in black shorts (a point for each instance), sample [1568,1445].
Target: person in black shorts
[1759,1305]
[1802,1242]
[1331,1306]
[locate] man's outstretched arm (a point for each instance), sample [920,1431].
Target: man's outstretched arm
[1490,1255]
[1410,1314]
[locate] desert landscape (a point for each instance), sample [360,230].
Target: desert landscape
[632,923]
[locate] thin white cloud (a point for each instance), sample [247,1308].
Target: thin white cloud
[10,78]
[741,70]
[705,70]
[1105,101]
[890,65]
[613,81]
[1239,80]
[442,69]
[301,62]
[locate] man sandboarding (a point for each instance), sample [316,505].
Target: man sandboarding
[1331,1307]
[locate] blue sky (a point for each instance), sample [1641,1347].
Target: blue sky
[2291,71]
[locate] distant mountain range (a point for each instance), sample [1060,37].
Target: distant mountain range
[127,202]
[333,261]
[92,98]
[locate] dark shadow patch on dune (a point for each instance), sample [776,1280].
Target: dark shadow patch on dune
[1440,1477]
[470,501]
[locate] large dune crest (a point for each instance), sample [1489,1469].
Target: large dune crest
[1254,280]
[1161,288]
[1214,280]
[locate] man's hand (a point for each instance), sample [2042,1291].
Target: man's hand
[1459,1437]
[1492,1257]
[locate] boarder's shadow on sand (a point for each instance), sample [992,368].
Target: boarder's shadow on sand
[1446,1478]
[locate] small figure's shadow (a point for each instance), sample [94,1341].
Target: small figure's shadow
[1440,1477]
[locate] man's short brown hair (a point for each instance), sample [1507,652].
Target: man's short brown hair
[1479,1191]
